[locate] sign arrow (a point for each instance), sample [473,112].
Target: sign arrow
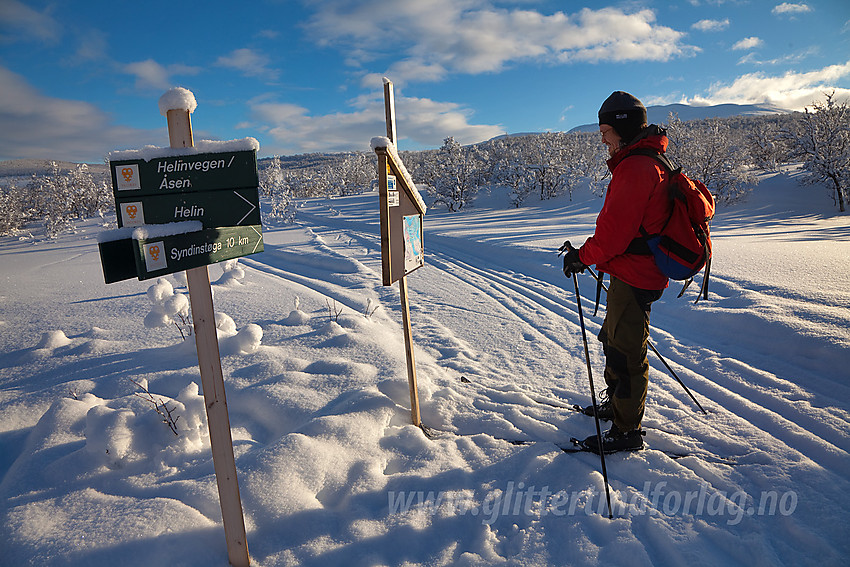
[253,207]
[223,207]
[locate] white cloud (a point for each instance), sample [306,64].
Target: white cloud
[711,25]
[39,126]
[792,90]
[787,8]
[437,37]
[423,122]
[748,43]
[20,22]
[151,75]
[249,62]
[796,57]
[92,47]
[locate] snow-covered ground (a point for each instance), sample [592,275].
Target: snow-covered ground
[330,470]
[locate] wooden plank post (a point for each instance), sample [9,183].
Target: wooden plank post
[389,110]
[212,381]
[408,349]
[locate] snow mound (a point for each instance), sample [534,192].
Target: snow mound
[53,339]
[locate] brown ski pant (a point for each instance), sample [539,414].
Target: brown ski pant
[624,336]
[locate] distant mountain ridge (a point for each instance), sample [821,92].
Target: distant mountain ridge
[28,167]
[685,112]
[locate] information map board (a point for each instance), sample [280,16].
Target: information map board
[402,244]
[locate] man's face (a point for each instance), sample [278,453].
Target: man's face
[610,138]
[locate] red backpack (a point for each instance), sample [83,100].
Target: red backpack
[683,246]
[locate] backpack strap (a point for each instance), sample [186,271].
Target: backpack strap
[599,285]
[638,245]
[704,290]
[662,158]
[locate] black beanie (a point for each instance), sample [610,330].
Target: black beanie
[624,113]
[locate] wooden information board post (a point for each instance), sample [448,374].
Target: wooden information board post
[402,249]
[218,193]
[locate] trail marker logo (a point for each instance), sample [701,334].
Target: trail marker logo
[155,256]
[132,214]
[127,177]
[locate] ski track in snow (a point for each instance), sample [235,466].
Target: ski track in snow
[320,414]
[742,394]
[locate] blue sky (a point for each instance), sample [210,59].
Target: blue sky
[79,79]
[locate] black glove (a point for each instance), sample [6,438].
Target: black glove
[572,262]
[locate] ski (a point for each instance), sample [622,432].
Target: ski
[560,403]
[576,446]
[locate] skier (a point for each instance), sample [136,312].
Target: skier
[636,197]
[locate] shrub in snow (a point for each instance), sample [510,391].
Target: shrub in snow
[454,175]
[232,273]
[168,308]
[167,414]
[132,428]
[296,316]
[245,341]
[225,323]
[12,210]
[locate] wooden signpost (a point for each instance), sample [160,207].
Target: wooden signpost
[188,188]
[402,248]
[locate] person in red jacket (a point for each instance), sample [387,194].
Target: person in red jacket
[636,197]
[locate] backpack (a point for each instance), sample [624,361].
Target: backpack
[683,246]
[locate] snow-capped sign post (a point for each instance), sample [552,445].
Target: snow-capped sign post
[185,209]
[402,249]
[213,185]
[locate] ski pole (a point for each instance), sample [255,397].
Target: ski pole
[658,354]
[593,397]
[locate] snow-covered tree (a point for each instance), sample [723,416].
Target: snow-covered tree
[510,169]
[12,215]
[58,198]
[765,146]
[710,151]
[275,185]
[821,138]
[453,175]
[351,174]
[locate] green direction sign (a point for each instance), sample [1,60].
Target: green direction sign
[184,174]
[224,207]
[162,255]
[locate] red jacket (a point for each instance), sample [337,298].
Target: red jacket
[636,197]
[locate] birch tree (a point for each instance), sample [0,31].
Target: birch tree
[822,140]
